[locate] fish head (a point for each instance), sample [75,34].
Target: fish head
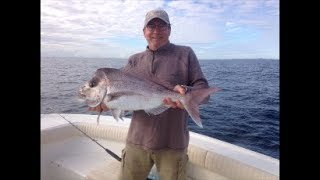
[94,90]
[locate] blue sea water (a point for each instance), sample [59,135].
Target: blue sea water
[244,113]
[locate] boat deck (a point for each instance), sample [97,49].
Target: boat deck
[83,159]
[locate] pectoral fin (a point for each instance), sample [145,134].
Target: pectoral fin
[116,95]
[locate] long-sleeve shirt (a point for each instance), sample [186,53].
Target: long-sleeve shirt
[175,65]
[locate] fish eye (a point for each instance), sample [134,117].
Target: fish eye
[92,83]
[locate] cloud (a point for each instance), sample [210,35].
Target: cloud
[114,28]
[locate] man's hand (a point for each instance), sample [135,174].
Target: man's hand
[101,107]
[176,104]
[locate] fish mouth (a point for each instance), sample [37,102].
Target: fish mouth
[92,103]
[81,95]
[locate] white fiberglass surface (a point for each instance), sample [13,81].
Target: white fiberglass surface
[79,153]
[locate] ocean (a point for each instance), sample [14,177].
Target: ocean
[245,112]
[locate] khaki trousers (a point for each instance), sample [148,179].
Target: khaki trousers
[137,163]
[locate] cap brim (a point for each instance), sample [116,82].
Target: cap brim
[154,18]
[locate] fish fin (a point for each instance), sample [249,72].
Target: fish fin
[157,110]
[137,73]
[122,114]
[116,95]
[98,118]
[116,113]
[192,100]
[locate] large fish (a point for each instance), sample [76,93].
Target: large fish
[121,91]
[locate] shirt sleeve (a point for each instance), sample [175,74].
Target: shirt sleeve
[196,77]
[130,65]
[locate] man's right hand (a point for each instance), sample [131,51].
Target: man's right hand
[168,101]
[99,108]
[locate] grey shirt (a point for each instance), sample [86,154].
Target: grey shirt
[175,65]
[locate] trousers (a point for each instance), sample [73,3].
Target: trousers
[137,162]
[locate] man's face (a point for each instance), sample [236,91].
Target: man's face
[157,33]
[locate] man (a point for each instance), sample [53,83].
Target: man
[160,139]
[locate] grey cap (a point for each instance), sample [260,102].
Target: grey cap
[157,13]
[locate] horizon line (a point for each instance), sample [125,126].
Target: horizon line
[204,59]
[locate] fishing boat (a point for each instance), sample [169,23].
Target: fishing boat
[72,149]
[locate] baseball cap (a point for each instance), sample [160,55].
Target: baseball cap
[156,13]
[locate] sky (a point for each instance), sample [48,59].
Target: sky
[214,29]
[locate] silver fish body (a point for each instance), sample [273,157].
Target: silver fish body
[121,91]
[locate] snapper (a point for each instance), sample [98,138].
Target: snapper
[122,91]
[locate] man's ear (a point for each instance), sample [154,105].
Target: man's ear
[144,29]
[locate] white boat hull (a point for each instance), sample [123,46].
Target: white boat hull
[67,154]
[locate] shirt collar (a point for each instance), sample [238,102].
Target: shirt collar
[162,48]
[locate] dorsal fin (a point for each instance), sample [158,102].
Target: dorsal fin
[147,77]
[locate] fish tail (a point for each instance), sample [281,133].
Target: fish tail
[192,100]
